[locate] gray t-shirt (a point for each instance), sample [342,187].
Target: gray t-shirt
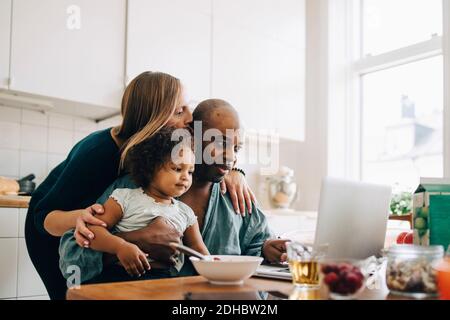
[140,209]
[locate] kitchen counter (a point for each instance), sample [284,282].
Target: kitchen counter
[14,201]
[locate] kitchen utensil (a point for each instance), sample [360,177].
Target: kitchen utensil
[189,251]
[227,270]
[26,185]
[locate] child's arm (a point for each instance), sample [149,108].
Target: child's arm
[131,257]
[193,239]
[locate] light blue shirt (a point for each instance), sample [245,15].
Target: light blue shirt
[224,232]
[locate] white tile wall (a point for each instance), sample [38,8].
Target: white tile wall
[33,138]
[10,135]
[9,162]
[84,125]
[33,117]
[111,122]
[53,160]
[33,162]
[77,136]
[60,121]
[60,140]
[10,114]
[30,142]
[36,142]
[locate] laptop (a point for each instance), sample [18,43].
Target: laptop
[352,220]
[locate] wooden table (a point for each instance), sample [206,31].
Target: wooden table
[14,201]
[176,288]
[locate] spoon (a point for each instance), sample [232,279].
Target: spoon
[189,251]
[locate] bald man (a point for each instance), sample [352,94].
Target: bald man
[223,231]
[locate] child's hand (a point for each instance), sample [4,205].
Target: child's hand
[133,259]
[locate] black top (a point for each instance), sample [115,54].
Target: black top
[77,182]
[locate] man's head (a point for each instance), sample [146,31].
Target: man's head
[221,139]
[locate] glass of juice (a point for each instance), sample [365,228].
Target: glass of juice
[304,263]
[443,276]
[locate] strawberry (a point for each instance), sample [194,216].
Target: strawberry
[401,237]
[331,278]
[345,267]
[353,282]
[409,238]
[327,268]
[341,288]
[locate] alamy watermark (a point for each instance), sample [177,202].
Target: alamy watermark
[212,146]
[73,21]
[74,280]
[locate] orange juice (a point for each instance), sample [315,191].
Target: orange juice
[443,278]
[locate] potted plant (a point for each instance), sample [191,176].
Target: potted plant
[401,207]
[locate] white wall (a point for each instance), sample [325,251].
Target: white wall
[34,142]
[309,158]
[258,62]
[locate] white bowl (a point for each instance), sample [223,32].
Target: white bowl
[229,270]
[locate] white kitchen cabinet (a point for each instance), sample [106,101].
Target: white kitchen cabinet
[5,34]
[9,222]
[69,49]
[8,268]
[22,219]
[174,37]
[258,62]
[29,283]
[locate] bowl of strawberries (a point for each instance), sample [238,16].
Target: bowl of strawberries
[344,279]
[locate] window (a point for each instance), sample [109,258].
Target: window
[402,121]
[393,24]
[400,76]
[388,90]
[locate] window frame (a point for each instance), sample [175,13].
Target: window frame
[346,92]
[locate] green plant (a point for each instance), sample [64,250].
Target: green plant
[401,203]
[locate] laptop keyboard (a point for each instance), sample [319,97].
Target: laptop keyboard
[284,270]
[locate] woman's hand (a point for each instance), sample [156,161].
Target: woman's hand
[82,233]
[275,250]
[239,190]
[133,259]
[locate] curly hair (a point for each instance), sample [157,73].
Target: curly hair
[145,158]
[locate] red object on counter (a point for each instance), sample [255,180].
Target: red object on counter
[405,238]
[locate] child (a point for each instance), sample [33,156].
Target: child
[160,179]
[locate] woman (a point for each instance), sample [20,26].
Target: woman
[151,101]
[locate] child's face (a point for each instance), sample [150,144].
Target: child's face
[175,178]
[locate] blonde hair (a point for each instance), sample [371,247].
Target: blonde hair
[147,105]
